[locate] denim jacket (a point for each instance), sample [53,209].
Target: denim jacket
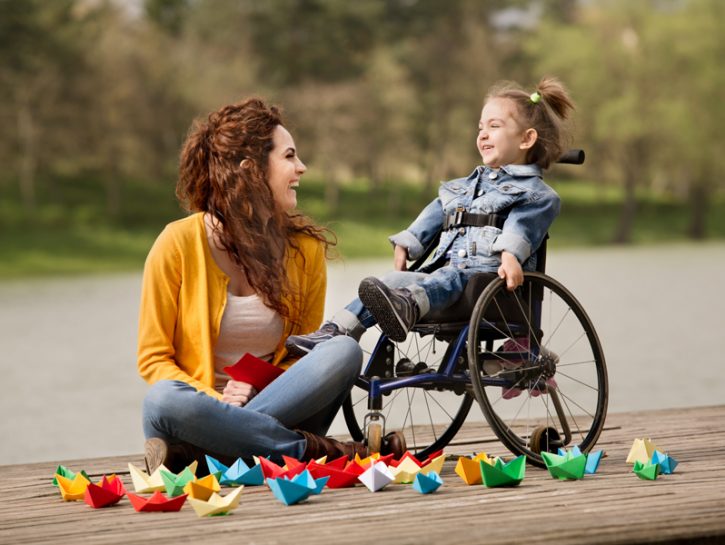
[514,191]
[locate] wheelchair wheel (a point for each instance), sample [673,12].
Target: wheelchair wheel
[427,414]
[537,367]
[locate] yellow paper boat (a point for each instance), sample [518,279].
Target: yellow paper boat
[436,464]
[72,490]
[203,488]
[641,451]
[217,505]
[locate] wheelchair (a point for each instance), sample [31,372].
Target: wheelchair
[530,358]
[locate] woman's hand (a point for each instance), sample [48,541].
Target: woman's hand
[511,271]
[238,393]
[400,258]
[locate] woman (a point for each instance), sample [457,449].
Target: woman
[239,275]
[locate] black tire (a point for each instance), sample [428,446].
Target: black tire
[571,355]
[446,410]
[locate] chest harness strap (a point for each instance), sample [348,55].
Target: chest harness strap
[461,218]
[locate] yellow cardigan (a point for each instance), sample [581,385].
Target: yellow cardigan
[183,297]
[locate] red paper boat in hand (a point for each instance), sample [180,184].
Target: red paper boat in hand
[254,371]
[157,502]
[108,492]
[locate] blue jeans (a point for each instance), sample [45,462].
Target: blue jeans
[432,291]
[306,396]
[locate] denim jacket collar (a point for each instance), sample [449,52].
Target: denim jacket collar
[512,170]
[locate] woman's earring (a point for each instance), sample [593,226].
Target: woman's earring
[245,163]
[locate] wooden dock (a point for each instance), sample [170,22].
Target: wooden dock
[613,506]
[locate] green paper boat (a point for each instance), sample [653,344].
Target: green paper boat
[175,483]
[500,474]
[567,467]
[646,471]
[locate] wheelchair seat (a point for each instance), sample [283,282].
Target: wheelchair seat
[461,310]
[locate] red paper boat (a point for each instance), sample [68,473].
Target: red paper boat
[354,468]
[337,463]
[108,492]
[294,465]
[406,454]
[270,470]
[432,456]
[157,502]
[254,371]
[338,477]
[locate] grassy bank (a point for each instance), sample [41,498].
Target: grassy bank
[70,232]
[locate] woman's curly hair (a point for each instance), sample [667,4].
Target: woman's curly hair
[256,233]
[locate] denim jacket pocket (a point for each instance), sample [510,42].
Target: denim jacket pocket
[500,197]
[481,240]
[451,194]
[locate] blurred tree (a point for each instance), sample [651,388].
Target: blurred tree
[40,57]
[689,41]
[606,62]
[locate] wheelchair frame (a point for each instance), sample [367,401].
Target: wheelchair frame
[462,367]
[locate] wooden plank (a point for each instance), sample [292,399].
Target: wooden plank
[611,507]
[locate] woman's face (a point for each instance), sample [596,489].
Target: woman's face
[284,169]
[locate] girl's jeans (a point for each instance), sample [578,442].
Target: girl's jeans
[431,291]
[306,396]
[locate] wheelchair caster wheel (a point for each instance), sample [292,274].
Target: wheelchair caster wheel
[375,437]
[545,439]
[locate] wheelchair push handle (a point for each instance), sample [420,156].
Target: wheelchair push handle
[572,157]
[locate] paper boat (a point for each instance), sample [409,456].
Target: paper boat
[434,465]
[144,483]
[425,483]
[641,451]
[570,466]
[500,474]
[68,474]
[216,505]
[646,471]
[175,483]
[338,478]
[666,462]
[298,489]
[108,492]
[157,502]
[202,489]
[239,473]
[406,470]
[376,477]
[469,470]
[72,489]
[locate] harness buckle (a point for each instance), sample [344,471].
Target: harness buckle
[458,216]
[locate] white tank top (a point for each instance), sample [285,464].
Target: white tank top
[248,325]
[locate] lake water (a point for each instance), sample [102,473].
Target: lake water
[67,346]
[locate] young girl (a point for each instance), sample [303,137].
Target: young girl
[491,221]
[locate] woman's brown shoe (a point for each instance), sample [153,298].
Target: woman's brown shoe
[318,446]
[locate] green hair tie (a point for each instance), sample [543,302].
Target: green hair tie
[535,97]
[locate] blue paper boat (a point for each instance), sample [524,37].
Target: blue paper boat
[288,492]
[425,484]
[306,479]
[239,473]
[593,459]
[666,462]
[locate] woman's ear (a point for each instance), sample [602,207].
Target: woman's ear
[528,139]
[246,163]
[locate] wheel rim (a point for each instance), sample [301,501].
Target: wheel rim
[428,418]
[566,342]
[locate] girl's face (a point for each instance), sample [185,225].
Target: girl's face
[501,140]
[284,169]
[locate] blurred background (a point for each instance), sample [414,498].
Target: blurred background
[383,98]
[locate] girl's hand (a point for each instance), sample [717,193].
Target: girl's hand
[238,393]
[511,271]
[400,258]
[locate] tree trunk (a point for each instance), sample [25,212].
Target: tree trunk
[28,160]
[697,226]
[625,224]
